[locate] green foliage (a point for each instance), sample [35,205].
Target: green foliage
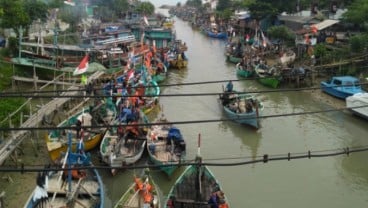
[357,12]
[36,10]
[222,5]
[281,32]
[55,3]
[225,15]
[120,6]
[15,15]
[9,105]
[194,3]
[146,8]
[358,43]
[320,50]
[260,10]
[13,46]
[72,15]
[5,75]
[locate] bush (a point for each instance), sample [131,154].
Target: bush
[281,32]
[358,43]
[9,105]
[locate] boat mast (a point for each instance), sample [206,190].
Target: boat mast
[198,159]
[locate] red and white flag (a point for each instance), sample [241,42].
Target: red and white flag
[83,66]
[130,74]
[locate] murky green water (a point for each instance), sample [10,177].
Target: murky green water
[338,181]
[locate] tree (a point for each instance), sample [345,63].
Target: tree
[223,4]
[120,6]
[357,13]
[194,3]
[36,10]
[281,32]
[14,16]
[146,8]
[260,10]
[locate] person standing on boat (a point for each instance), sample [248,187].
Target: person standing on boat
[229,86]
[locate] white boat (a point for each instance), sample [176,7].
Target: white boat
[355,102]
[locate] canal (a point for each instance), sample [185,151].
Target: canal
[329,182]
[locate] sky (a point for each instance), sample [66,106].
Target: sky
[158,3]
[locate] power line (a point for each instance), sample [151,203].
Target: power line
[58,95]
[182,122]
[264,159]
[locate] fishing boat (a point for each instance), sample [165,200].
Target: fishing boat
[288,57]
[267,75]
[216,34]
[242,108]
[101,115]
[77,188]
[141,194]
[355,103]
[166,145]
[196,187]
[123,145]
[143,91]
[244,71]
[341,86]
[233,59]
[177,60]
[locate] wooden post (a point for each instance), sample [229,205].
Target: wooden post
[297,81]
[2,196]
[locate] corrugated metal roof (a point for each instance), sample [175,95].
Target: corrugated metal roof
[325,24]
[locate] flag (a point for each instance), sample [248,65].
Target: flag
[83,66]
[154,46]
[130,74]
[70,2]
[247,38]
[145,20]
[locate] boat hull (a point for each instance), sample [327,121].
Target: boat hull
[184,192]
[355,102]
[56,191]
[341,87]
[133,197]
[238,114]
[55,149]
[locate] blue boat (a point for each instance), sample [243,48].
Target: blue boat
[166,146]
[69,188]
[342,86]
[242,108]
[214,34]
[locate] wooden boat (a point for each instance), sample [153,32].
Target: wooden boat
[287,57]
[354,102]
[122,146]
[268,76]
[77,188]
[165,145]
[158,71]
[146,89]
[233,59]
[242,108]
[177,61]
[219,35]
[196,187]
[245,72]
[141,194]
[102,114]
[341,86]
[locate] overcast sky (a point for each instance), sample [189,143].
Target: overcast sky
[158,3]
